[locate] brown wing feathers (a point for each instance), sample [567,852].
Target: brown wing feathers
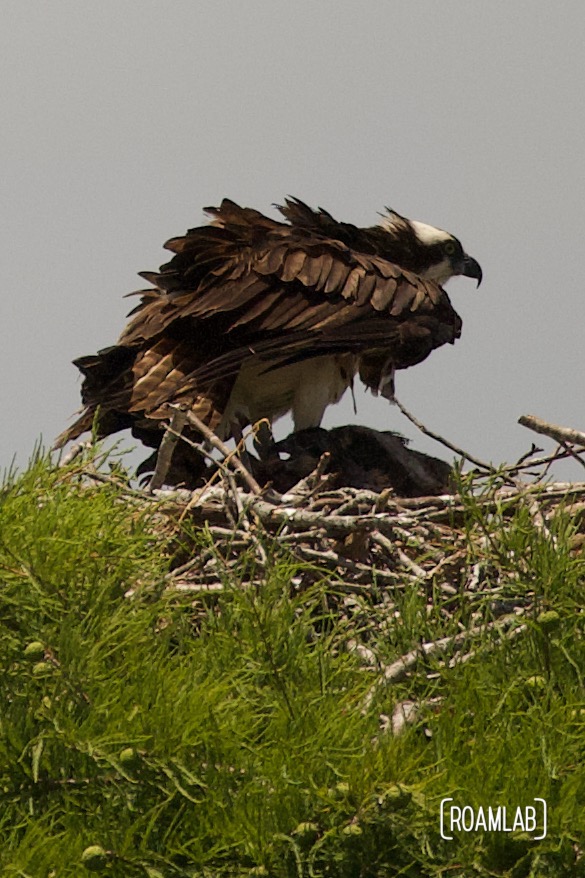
[248,285]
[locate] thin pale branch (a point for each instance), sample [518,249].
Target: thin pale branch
[216,442]
[167,447]
[455,448]
[559,434]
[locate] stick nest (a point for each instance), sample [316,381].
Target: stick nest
[449,548]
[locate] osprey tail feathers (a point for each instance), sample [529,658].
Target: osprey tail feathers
[130,389]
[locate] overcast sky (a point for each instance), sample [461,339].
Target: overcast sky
[121,120]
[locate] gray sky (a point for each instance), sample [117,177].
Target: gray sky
[120,121]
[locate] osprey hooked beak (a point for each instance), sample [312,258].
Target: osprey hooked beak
[468,267]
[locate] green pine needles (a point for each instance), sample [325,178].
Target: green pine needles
[253,730]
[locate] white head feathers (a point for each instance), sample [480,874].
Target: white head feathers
[429,234]
[426,234]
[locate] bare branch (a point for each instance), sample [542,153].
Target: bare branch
[559,434]
[167,447]
[398,670]
[229,456]
[455,448]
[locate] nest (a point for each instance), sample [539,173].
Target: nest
[372,519]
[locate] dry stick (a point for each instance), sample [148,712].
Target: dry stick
[74,452]
[328,557]
[373,502]
[196,587]
[398,670]
[216,443]
[311,484]
[403,558]
[167,447]
[526,463]
[538,519]
[510,635]
[562,452]
[411,565]
[222,447]
[298,536]
[333,524]
[573,453]
[564,448]
[109,480]
[534,449]
[231,457]
[445,442]
[225,474]
[221,471]
[559,434]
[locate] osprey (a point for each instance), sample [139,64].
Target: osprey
[253,318]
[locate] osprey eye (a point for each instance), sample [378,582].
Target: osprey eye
[450,248]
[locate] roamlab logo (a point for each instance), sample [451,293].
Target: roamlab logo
[527,818]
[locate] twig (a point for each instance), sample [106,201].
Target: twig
[200,588]
[397,671]
[94,475]
[311,484]
[332,524]
[461,659]
[574,454]
[559,434]
[396,551]
[331,558]
[74,452]
[216,442]
[459,451]
[167,447]
[525,463]
[538,519]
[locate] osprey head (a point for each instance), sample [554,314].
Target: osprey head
[429,252]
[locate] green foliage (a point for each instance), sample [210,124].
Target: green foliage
[144,732]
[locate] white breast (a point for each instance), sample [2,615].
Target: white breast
[305,389]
